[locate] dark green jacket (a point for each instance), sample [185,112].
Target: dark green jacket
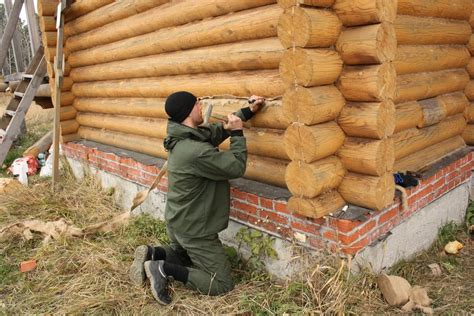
[198,188]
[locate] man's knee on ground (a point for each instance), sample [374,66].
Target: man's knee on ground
[221,286]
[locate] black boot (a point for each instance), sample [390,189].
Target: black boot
[158,281]
[144,253]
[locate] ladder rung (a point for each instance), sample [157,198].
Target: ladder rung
[29,76]
[10,113]
[19,94]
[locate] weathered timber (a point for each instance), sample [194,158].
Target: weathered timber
[428,136]
[412,30]
[82,7]
[470,44]
[319,141]
[364,45]
[266,170]
[266,83]
[107,14]
[69,127]
[407,115]
[47,7]
[247,55]
[69,138]
[368,119]
[47,24]
[453,103]
[362,12]
[368,191]
[468,134]
[320,206]
[412,87]
[312,105]
[433,112]
[285,4]
[470,67]
[241,26]
[368,83]
[469,113]
[429,155]
[367,156]
[310,180]
[450,9]
[308,27]
[310,67]
[42,145]
[68,113]
[416,58]
[469,91]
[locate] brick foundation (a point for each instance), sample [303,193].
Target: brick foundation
[273,216]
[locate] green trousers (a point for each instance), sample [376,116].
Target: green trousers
[208,265]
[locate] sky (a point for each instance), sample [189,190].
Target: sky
[23,10]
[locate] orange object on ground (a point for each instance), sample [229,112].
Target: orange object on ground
[27,266]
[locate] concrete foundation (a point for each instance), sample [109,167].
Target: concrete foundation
[417,232]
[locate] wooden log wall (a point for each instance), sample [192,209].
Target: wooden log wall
[468,134]
[309,70]
[356,90]
[432,80]
[368,47]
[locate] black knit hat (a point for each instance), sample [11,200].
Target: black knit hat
[179,105]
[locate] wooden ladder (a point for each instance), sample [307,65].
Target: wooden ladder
[14,115]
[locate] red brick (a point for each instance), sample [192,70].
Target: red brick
[425,200]
[367,228]
[266,203]
[247,218]
[244,207]
[27,266]
[305,227]
[269,226]
[388,215]
[344,239]
[282,207]
[274,217]
[345,226]
[239,195]
[252,198]
[315,242]
[359,245]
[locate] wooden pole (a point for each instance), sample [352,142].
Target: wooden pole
[449,9]
[33,30]
[13,15]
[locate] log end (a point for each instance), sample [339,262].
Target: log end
[317,207]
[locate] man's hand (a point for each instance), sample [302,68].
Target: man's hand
[233,123]
[257,104]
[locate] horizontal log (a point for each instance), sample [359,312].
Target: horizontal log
[469,113]
[412,30]
[82,7]
[69,138]
[262,142]
[50,70]
[47,24]
[49,38]
[406,134]
[319,141]
[40,146]
[368,83]
[266,83]
[371,44]
[470,67]
[471,21]
[367,156]
[308,27]
[310,180]
[241,26]
[310,67]
[453,103]
[407,115]
[449,9]
[470,44]
[433,112]
[69,127]
[362,12]
[67,113]
[320,206]
[415,58]
[168,15]
[270,116]
[109,13]
[285,4]
[412,87]
[428,136]
[368,191]
[469,90]
[312,105]
[47,7]
[429,155]
[67,98]
[247,55]
[468,134]
[368,119]
[266,170]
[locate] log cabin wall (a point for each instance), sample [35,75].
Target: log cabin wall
[431,78]
[468,134]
